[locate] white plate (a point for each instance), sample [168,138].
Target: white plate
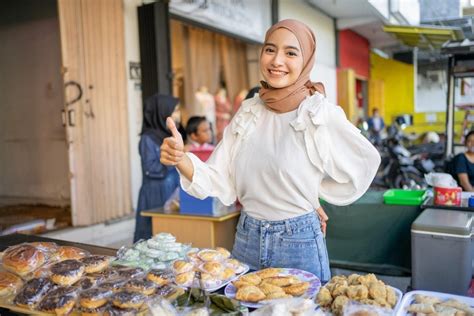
[315,285]
[409,298]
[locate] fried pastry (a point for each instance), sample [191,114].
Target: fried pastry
[141,286]
[9,283]
[33,291]
[425,299]
[68,252]
[324,297]
[239,283]
[338,304]
[113,285]
[268,272]
[251,278]
[277,295]
[128,299]
[282,280]
[227,274]
[235,264]
[353,279]
[160,277]
[297,289]
[377,290]
[249,293]
[23,259]
[181,266]
[67,272]
[59,301]
[458,305]
[421,308]
[391,296]
[224,252]
[94,264]
[185,279]
[209,255]
[357,292]
[367,279]
[212,267]
[94,298]
[268,288]
[210,281]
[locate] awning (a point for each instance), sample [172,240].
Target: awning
[424,37]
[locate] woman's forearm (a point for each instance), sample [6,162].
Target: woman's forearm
[186,168]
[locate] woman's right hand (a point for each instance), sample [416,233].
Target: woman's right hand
[172,149]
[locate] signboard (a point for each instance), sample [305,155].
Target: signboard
[244,18]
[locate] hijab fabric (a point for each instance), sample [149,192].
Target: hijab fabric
[156,110]
[289,98]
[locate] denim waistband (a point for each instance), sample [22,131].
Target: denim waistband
[291,224]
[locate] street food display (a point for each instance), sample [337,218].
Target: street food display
[45,278]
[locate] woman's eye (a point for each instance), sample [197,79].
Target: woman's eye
[292,54]
[269,50]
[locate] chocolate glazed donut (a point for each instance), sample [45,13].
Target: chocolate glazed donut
[33,291]
[59,301]
[67,272]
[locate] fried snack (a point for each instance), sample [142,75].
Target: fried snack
[212,267]
[130,273]
[324,297]
[377,290]
[185,279]
[382,302]
[251,278]
[143,286]
[128,299]
[357,292]
[116,311]
[442,310]
[391,296]
[92,311]
[113,285]
[239,283]
[89,281]
[59,301]
[46,246]
[367,279]
[224,252]
[9,284]
[23,259]
[235,264]
[297,289]
[282,280]
[268,288]
[249,293]
[181,266]
[67,272]
[160,277]
[68,252]
[421,308]
[277,295]
[339,290]
[209,255]
[353,279]
[338,304]
[268,272]
[32,292]
[94,264]
[458,305]
[331,286]
[424,299]
[227,274]
[94,298]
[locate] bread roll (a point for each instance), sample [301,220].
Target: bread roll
[23,259]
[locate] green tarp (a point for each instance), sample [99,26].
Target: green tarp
[370,236]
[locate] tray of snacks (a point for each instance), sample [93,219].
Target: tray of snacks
[215,266]
[357,289]
[261,287]
[158,252]
[435,303]
[43,278]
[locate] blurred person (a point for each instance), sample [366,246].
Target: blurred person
[376,125]
[199,134]
[158,181]
[284,149]
[464,164]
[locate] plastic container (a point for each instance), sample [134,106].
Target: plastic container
[447,196]
[404,197]
[441,251]
[409,299]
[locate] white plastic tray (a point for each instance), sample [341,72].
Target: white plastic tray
[409,298]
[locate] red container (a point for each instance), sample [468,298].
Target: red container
[447,196]
[202,154]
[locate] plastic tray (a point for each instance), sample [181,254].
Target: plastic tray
[404,197]
[409,297]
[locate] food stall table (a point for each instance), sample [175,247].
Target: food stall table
[370,236]
[203,231]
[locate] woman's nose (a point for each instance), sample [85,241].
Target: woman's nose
[277,59]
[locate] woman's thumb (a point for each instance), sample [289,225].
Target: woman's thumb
[172,127]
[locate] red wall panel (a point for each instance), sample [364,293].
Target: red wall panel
[354,52]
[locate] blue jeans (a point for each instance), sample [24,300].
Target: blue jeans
[293,243]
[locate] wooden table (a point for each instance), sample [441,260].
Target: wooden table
[203,231]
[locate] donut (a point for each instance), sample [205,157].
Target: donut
[113,285]
[141,286]
[94,298]
[116,311]
[67,272]
[130,273]
[160,277]
[32,292]
[126,300]
[59,301]
[95,263]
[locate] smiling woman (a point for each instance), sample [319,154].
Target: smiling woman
[285,148]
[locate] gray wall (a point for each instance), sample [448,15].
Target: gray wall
[439,10]
[33,152]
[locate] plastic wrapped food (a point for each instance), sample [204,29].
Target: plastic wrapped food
[9,284]
[59,301]
[33,291]
[67,272]
[69,252]
[94,298]
[23,259]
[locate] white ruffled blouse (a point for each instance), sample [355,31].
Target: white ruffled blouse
[279,165]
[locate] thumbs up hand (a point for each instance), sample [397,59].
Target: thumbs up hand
[172,149]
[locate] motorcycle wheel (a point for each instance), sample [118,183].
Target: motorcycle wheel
[410,179]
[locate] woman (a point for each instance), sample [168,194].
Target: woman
[464,164]
[159,181]
[284,149]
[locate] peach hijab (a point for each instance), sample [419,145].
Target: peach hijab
[289,98]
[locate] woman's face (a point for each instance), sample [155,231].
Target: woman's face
[470,143]
[281,61]
[176,115]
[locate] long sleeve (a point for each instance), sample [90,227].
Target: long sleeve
[150,158]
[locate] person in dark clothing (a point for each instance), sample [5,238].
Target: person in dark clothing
[464,164]
[159,181]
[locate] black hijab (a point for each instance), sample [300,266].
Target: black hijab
[156,110]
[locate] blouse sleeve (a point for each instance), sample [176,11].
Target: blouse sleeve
[214,177]
[350,162]
[150,157]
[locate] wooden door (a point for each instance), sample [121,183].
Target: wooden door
[93,59]
[346,93]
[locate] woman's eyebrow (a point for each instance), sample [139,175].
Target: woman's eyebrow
[286,47]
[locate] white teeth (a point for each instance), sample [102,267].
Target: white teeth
[276,72]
